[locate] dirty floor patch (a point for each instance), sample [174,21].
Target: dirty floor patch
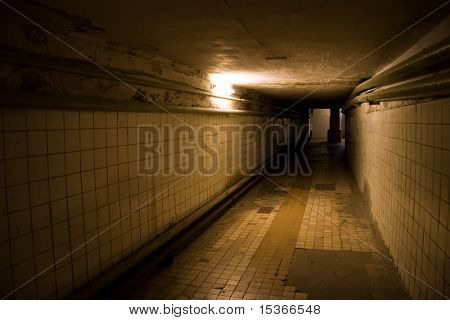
[328,274]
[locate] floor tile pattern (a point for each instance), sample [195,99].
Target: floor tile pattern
[248,252]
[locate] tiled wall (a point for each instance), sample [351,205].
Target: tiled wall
[67,176]
[400,153]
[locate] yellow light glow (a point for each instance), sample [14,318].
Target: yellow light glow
[244,78]
[221,103]
[222,86]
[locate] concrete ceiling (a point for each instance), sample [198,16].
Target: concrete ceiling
[318,40]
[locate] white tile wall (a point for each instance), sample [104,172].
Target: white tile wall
[66,176]
[401,158]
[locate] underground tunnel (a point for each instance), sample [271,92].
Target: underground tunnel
[224,150]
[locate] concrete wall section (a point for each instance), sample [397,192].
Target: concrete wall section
[320,123]
[400,154]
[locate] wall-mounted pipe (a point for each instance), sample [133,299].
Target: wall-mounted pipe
[437,85]
[22,100]
[83,68]
[419,76]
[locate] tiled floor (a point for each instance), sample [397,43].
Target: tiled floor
[247,253]
[335,217]
[329,223]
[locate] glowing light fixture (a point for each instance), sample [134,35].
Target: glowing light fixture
[245,78]
[221,86]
